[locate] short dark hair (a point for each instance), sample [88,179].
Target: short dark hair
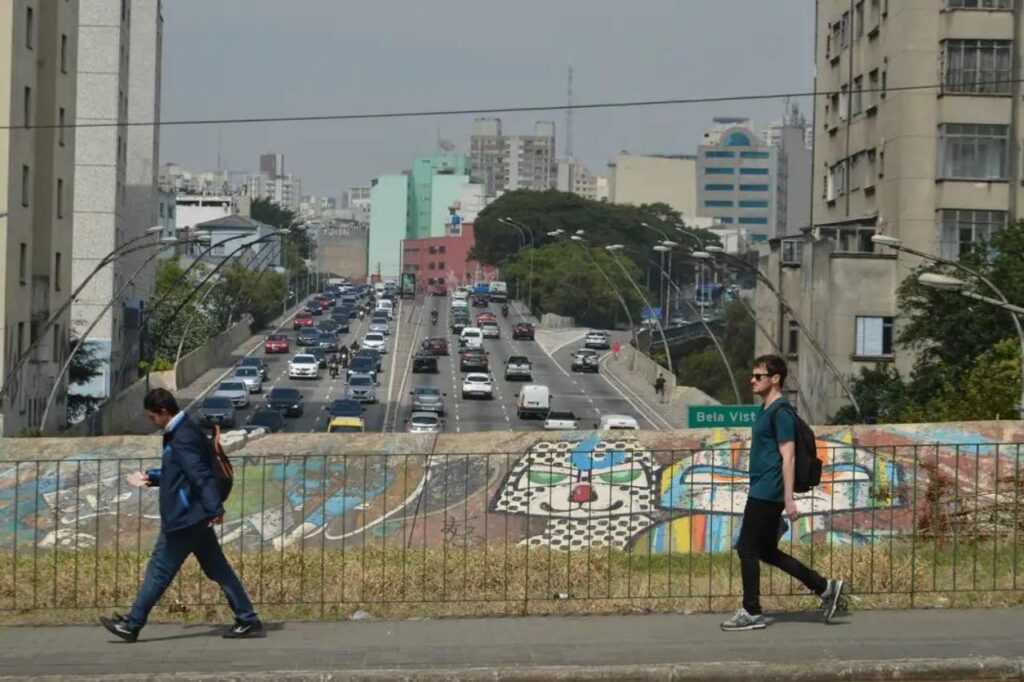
[774,365]
[160,400]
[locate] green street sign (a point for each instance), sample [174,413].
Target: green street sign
[721,416]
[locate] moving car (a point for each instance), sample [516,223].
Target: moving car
[437,346]
[346,425]
[478,385]
[270,421]
[597,339]
[327,341]
[380,326]
[313,308]
[304,366]
[307,337]
[258,363]
[560,421]
[617,422]
[459,324]
[361,387]
[480,302]
[485,317]
[329,326]
[438,290]
[235,391]
[427,399]
[344,408]
[471,338]
[424,422]
[362,364]
[375,341]
[217,409]
[386,305]
[518,367]
[302,320]
[473,361]
[523,331]
[373,355]
[585,360]
[324,301]
[340,320]
[251,377]
[490,330]
[320,354]
[533,400]
[424,362]
[276,343]
[287,401]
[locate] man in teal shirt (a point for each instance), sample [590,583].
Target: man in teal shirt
[772,456]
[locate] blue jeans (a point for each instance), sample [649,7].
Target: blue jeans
[170,553]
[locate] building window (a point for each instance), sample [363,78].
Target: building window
[754,203]
[755,155]
[979,4]
[718,203]
[753,220]
[873,90]
[30,28]
[844,102]
[26,184]
[63,53]
[440,249]
[719,155]
[973,151]
[56,271]
[858,95]
[440,266]
[977,66]
[753,188]
[430,265]
[61,117]
[719,188]
[792,251]
[726,221]
[965,230]
[720,171]
[753,171]
[28,107]
[23,263]
[874,337]
[836,181]
[55,354]
[876,13]
[793,340]
[858,19]
[60,197]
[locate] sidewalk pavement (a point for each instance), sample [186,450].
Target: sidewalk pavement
[906,645]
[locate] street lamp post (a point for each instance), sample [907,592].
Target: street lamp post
[533,247]
[522,245]
[720,252]
[947,283]
[581,242]
[953,284]
[618,247]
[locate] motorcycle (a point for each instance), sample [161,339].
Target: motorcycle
[433,318]
[361,313]
[334,369]
[344,358]
[504,311]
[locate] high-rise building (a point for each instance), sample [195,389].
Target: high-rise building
[434,178]
[272,164]
[789,136]
[510,162]
[938,168]
[389,220]
[38,76]
[273,184]
[738,180]
[574,177]
[106,216]
[638,179]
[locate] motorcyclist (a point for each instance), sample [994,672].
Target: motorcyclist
[504,309]
[355,347]
[332,366]
[343,355]
[433,317]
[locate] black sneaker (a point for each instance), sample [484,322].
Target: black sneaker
[118,625]
[242,630]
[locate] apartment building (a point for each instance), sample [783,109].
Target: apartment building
[936,167]
[509,162]
[38,81]
[639,179]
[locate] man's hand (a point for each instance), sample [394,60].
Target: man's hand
[137,479]
[215,520]
[791,511]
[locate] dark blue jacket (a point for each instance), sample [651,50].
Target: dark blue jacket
[188,494]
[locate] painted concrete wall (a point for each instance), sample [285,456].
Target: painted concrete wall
[647,491]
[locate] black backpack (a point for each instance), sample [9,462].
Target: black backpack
[220,466]
[807,467]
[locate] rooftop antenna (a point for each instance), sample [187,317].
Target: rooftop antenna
[568,116]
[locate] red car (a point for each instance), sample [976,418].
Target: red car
[485,317]
[302,320]
[523,331]
[437,346]
[438,290]
[276,343]
[325,303]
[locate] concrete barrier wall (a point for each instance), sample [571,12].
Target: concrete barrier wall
[211,353]
[552,321]
[399,490]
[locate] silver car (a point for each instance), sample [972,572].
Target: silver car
[428,399]
[361,387]
[380,327]
[425,422]
[252,377]
[217,410]
[235,391]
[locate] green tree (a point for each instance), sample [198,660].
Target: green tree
[85,366]
[704,368]
[243,291]
[165,328]
[297,246]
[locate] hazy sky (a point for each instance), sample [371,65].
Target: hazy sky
[237,58]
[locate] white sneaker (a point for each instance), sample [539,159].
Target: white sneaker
[744,621]
[831,598]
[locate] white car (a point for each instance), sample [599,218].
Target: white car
[560,421]
[304,367]
[490,330]
[597,339]
[459,304]
[477,385]
[251,377]
[375,341]
[617,422]
[235,390]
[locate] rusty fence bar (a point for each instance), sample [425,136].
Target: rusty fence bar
[574,523]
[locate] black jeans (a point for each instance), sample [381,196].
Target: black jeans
[759,541]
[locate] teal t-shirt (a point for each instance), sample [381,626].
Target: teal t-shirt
[765,458]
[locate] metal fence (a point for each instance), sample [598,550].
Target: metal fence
[578,523]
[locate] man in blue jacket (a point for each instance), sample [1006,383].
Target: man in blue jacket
[189,508]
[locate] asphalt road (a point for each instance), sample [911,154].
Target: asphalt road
[587,395]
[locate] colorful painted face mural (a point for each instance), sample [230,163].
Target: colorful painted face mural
[592,493]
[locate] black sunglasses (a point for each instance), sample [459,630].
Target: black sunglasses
[759,375]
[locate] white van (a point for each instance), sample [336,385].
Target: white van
[533,400]
[388,306]
[471,338]
[618,422]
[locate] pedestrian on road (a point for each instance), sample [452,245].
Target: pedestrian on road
[659,385]
[772,457]
[616,347]
[190,505]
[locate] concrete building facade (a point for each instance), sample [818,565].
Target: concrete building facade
[638,179]
[795,156]
[38,87]
[574,177]
[435,178]
[504,163]
[445,259]
[738,180]
[938,168]
[389,220]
